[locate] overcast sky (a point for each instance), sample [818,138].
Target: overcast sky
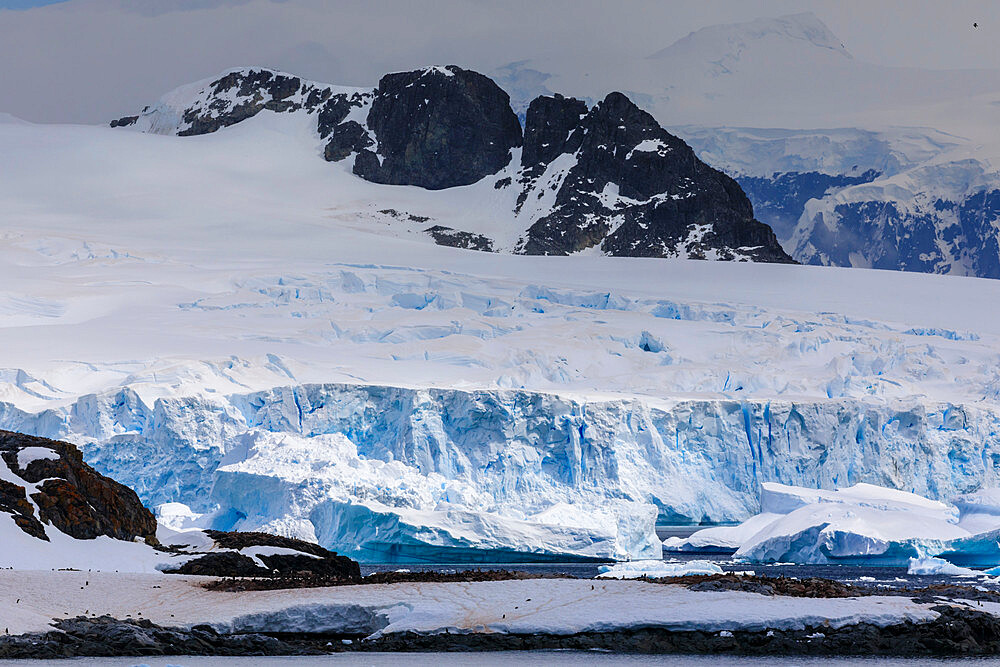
[92,60]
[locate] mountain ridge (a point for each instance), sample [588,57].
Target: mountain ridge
[638,191]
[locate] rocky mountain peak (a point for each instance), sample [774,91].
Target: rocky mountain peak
[633,189]
[549,130]
[438,128]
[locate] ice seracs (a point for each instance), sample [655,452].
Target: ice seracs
[320,489]
[861,524]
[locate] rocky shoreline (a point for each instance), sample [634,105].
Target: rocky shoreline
[957,632]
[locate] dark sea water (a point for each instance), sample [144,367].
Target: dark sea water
[510,658]
[878,577]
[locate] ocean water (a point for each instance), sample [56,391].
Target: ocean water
[879,577]
[510,658]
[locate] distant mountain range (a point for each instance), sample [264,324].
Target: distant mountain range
[852,164]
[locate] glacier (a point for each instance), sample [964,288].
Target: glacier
[392,474]
[567,404]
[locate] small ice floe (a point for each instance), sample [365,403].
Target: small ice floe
[654,569]
[939,567]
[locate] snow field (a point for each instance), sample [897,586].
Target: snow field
[560,606]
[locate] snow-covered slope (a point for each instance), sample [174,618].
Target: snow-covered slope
[168,300]
[786,71]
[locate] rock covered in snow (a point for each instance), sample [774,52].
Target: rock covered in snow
[253,554]
[46,483]
[607,178]
[911,199]
[236,95]
[624,184]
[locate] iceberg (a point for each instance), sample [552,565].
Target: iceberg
[654,569]
[720,539]
[850,534]
[860,523]
[939,567]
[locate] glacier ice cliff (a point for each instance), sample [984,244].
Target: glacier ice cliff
[485,474]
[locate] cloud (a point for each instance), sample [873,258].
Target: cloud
[92,60]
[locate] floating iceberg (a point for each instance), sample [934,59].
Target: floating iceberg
[863,523]
[720,539]
[939,567]
[850,534]
[320,489]
[655,569]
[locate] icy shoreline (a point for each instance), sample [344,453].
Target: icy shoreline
[80,613]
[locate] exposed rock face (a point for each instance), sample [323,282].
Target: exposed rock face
[69,495]
[241,94]
[550,130]
[312,559]
[628,185]
[438,128]
[456,239]
[124,121]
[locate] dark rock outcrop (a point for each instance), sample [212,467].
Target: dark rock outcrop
[104,636]
[70,494]
[550,130]
[635,190]
[454,238]
[438,128]
[241,94]
[312,560]
[958,631]
[124,121]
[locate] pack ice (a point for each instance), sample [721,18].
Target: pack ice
[860,524]
[223,321]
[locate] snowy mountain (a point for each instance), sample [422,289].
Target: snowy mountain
[900,162]
[903,199]
[606,178]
